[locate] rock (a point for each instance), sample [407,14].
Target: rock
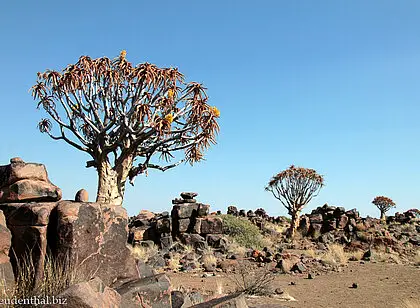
[367,255]
[316,219]
[354,286]
[203,210]
[304,225]
[183,201]
[197,226]
[228,265]
[92,237]
[82,196]
[217,241]
[163,225]
[235,300]
[183,225]
[90,294]
[342,221]
[188,195]
[299,267]
[250,213]
[242,213]
[145,215]
[166,242]
[28,223]
[8,278]
[211,225]
[182,211]
[232,210]
[153,292]
[22,182]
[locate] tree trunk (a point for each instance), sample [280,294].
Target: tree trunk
[294,224]
[111,181]
[383,217]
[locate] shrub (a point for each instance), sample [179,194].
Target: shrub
[242,231]
[144,253]
[250,282]
[335,255]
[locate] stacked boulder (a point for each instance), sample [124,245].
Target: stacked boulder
[192,224]
[24,182]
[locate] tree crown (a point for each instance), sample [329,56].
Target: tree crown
[295,187]
[110,106]
[383,203]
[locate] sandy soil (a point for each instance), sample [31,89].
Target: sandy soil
[378,285]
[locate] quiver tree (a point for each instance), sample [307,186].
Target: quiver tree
[384,204]
[127,118]
[295,187]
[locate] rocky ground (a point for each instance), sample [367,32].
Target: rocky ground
[378,285]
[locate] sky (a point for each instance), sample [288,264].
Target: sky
[329,85]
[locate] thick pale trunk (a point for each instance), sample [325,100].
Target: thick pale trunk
[383,217]
[294,224]
[111,181]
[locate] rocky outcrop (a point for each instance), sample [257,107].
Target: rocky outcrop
[23,182]
[6,269]
[92,237]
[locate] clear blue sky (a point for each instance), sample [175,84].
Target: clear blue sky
[330,85]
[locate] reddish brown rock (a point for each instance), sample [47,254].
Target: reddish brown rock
[211,225]
[92,236]
[28,224]
[82,196]
[90,294]
[6,268]
[21,182]
[187,210]
[183,224]
[153,292]
[342,221]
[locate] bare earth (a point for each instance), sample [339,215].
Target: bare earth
[378,285]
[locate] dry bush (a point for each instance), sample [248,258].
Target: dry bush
[235,248]
[275,227]
[360,227]
[58,276]
[173,263]
[144,253]
[310,253]
[252,282]
[208,260]
[357,255]
[335,255]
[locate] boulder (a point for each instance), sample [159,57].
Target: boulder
[188,195]
[152,292]
[22,182]
[90,294]
[187,210]
[7,277]
[163,225]
[82,196]
[28,223]
[232,210]
[211,225]
[203,210]
[92,237]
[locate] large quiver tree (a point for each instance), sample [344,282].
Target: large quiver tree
[384,204]
[295,187]
[122,115]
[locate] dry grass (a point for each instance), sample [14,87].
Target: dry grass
[235,248]
[252,282]
[209,261]
[144,253]
[275,227]
[57,277]
[173,263]
[310,253]
[335,255]
[357,255]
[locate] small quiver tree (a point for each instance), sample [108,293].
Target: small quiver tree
[123,116]
[295,187]
[384,204]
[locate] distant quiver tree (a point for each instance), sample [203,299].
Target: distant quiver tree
[127,118]
[384,204]
[295,187]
